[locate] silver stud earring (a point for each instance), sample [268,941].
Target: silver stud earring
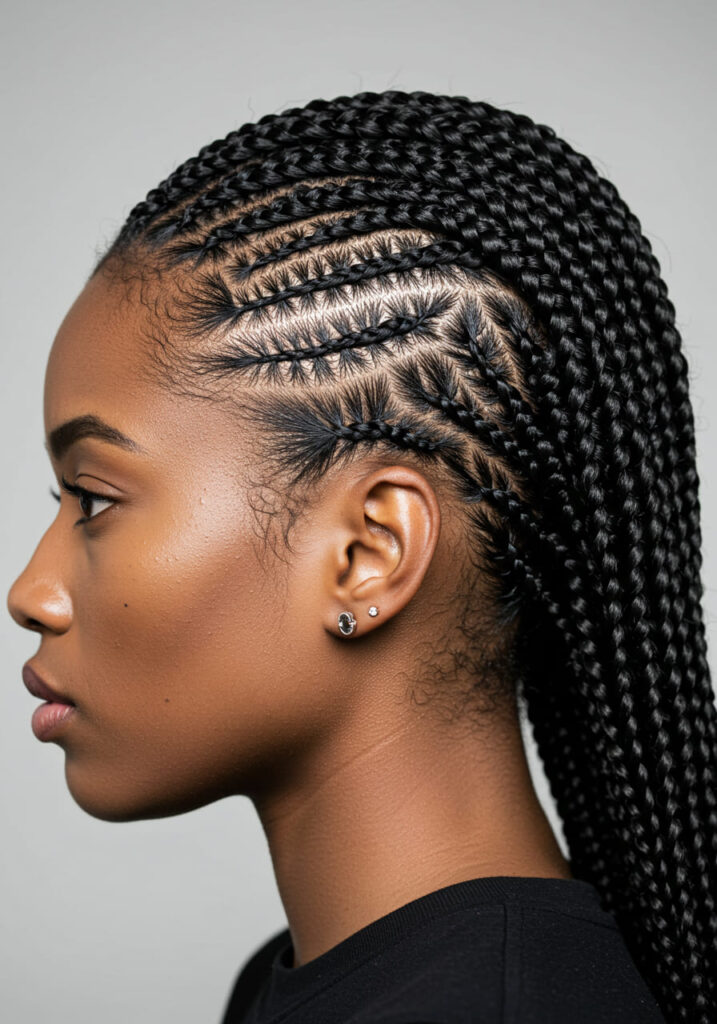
[347,623]
[373,610]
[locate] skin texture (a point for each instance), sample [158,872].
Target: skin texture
[204,664]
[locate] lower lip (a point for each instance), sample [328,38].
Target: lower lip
[49,717]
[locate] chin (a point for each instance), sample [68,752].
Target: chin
[114,798]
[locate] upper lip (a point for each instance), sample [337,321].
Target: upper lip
[39,688]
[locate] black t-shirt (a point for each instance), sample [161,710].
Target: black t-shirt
[495,950]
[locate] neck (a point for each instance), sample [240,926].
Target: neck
[382,818]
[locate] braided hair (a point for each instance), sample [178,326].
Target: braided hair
[435,275]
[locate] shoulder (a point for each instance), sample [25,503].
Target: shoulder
[504,961]
[566,965]
[252,975]
[517,963]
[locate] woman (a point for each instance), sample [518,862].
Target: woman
[377,419]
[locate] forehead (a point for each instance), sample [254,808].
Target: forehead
[100,364]
[94,359]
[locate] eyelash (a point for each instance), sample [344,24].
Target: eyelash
[83,494]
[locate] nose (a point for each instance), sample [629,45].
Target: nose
[38,599]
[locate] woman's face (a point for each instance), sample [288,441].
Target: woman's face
[180,640]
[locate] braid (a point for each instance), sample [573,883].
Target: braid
[438,276]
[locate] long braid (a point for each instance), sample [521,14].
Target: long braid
[468,289]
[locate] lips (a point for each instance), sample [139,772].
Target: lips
[39,688]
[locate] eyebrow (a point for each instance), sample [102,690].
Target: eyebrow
[67,433]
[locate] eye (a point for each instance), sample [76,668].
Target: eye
[87,499]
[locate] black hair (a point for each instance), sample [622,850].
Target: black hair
[440,277]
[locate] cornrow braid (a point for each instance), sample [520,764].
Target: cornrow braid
[318,120]
[418,210]
[266,353]
[209,313]
[434,275]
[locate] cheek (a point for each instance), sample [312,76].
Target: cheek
[187,668]
[155,613]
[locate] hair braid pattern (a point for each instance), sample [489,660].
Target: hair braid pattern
[438,276]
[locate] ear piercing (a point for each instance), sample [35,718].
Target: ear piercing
[347,623]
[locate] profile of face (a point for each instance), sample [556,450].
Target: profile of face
[202,662]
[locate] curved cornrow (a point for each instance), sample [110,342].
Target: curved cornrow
[462,219]
[318,120]
[221,307]
[455,281]
[266,353]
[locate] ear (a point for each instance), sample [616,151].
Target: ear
[384,528]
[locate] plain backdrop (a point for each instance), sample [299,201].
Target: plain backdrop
[150,921]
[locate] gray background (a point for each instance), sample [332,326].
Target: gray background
[149,921]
